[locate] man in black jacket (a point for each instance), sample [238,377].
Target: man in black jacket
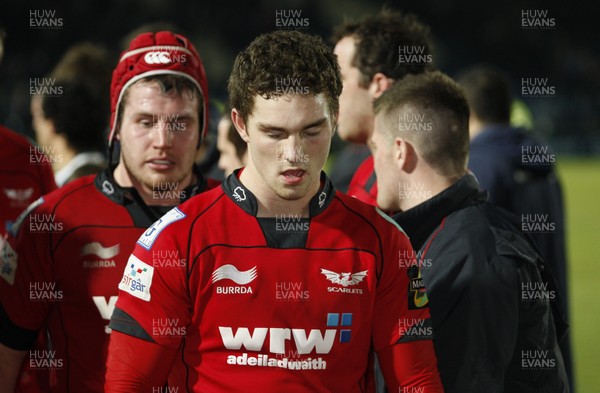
[493,304]
[519,173]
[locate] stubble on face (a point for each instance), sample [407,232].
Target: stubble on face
[146,111]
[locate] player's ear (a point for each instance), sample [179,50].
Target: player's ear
[379,83]
[402,153]
[239,124]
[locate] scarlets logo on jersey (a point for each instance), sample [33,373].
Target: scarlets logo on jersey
[137,278]
[318,341]
[18,197]
[345,279]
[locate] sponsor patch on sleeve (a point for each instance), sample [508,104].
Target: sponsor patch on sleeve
[149,237]
[8,261]
[137,278]
[417,297]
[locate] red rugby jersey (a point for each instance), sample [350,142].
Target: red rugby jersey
[363,185]
[65,265]
[25,175]
[283,304]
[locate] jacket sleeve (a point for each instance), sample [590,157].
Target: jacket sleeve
[475,312]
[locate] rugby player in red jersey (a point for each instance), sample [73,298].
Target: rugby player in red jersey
[373,53]
[71,247]
[290,284]
[25,175]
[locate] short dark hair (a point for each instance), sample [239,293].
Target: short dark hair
[78,114]
[89,62]
[435,95]
[168,83]
[284,54]
[488,92]
[377,42]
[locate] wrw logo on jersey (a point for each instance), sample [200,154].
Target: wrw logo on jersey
[105,308]
[319,341]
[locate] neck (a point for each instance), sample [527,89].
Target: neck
[152,197]
[427,184]
[63,151]
[269,203]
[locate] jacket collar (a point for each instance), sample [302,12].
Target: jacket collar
[244,198]
[107,185]
[420,221]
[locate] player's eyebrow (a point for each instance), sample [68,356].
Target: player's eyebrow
[266,126]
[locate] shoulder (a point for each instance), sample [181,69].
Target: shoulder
[176,223]
[14,140]
[488,232]
[82,187]
[199,204]
[364,214]
[76,199]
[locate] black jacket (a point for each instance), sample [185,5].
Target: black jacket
[493,304]
[519,174]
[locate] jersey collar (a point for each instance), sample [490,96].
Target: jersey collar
[107,185]
[244,198]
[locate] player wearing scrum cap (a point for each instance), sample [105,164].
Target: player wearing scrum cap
[69,250]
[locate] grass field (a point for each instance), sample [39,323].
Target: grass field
[581,187]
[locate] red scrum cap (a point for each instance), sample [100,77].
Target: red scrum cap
[162,53]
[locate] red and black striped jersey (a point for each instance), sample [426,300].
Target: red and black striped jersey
[285,303]
[25,175]
[63,268]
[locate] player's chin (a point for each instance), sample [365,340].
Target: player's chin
[164,178]
[291,193]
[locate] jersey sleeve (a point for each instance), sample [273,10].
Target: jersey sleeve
[28,289]
[154,303]
[401,311]
[401,323]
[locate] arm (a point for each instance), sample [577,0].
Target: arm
[23,262]
[139,358]
[410,366]
[10,366]
[136,365]
[402,324]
